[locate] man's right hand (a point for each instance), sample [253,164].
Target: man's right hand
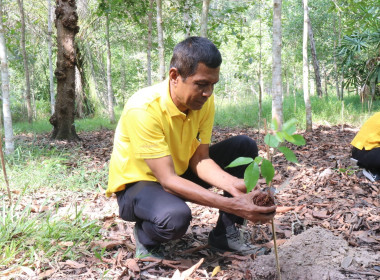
[246,209]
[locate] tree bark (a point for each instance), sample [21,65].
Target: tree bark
[149,44]
[277,111]
[67,27]
[8,128]
[315,58]
[160,34]
[306,96]
[260,68]
[204,18]
[26,64]
[186,17]
[109,81]
[50,47]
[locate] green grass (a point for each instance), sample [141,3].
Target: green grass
[325,111]
[87,124]
[27,238]
[51,168]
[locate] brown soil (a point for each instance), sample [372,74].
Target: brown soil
[263,199]
[315,254]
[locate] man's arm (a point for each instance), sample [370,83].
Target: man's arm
[210,172]
[163,169]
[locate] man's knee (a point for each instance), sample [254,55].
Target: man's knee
[178,223]
[246,145]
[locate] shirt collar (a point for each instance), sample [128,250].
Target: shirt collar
[167,101]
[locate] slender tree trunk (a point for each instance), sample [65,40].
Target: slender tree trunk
[186,17]
[109,81]
[94,80]
[260,68]
[149,45]
[336,64]
[78,93]
[8,128]
[309,126]
[64,115]
[277,113]
[26,64]
[326,80]
[160,33]
[50,47]
[315,59]
[204,18]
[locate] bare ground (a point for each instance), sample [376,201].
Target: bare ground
[328,223]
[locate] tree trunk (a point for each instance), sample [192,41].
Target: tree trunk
[336,64]
[50,47]
[26,64]
[63,117]
[94,80]
[260,68]
[315,59]
[8,128]
[276,65]
[160,34]
[325,78]
[109,82]
[149,45]
[309,126]
[204,18]
[186,17]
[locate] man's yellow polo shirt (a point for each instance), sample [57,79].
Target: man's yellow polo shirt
[151,126]
[368,136]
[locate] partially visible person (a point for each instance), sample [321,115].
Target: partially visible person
[366,148]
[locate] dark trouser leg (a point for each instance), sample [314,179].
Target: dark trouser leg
[368,159]
[159,215]
[223,153]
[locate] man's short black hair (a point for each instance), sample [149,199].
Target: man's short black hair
[193,50]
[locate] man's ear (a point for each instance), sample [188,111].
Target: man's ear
[174,75]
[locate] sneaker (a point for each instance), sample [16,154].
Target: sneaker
[234,241]
[371,176]
[143,252]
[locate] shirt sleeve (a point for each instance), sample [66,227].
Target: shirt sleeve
[146,135]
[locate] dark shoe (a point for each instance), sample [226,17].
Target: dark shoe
[233,241]
[371,176]
[143,252]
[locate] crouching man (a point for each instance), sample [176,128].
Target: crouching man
[162,157]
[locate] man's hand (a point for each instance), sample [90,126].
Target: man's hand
[247,210]
[238,188]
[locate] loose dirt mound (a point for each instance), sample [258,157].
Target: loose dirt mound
[315,254]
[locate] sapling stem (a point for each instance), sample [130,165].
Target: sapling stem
[276,251]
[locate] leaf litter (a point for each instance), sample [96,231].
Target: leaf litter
[327,221]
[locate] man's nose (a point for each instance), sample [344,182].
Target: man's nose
[208,91]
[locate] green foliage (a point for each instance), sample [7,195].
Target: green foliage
[39,237]
[275,140]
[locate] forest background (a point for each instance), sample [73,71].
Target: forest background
[122,46]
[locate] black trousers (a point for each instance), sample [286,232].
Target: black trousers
[161,216]
[368,159]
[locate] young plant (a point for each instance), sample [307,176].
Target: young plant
[264,166]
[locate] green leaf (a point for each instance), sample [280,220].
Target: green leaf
[240,161]
[271,141]
[289,155]
[258,159]
[267,170]
[280,135]
[290,126]
[274,125]
[251,176]
[298,140]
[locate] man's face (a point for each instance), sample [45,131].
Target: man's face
[192,93]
